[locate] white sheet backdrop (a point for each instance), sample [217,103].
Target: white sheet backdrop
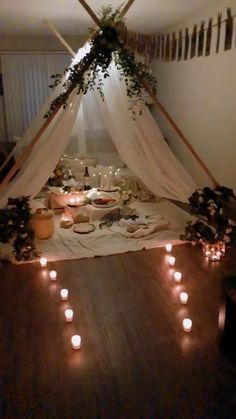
[140,144]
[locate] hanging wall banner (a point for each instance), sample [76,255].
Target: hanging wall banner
[158,46]
[218,32]
[228,30]
[167,55]
[186,46]
[201,35]
[208,37]
[180,46]
[173,47]
[162,46]
[193,42]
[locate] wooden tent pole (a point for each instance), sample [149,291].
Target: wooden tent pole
[126,8]
[180,134]
[61,39]
[90,12]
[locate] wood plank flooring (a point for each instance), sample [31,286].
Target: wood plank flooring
[135,360]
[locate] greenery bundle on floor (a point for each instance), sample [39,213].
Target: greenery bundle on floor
[89,73]
[15,226]
[212,224]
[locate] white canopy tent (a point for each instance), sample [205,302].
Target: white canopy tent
[139,142]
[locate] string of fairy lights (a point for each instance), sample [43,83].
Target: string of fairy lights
[69,314]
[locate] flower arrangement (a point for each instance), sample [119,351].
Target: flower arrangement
[212,224]
[89,73]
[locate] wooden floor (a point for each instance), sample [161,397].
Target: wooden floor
[135,361]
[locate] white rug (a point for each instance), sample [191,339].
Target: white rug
[66,244]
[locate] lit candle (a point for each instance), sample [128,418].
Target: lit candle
[53,275]
[43,262]
[64,294]
[168,247]
[187,325]
[183,297]
[69,315]
[76,342]
[171,260]
[177,276]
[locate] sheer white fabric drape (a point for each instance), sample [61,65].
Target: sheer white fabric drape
[141,144]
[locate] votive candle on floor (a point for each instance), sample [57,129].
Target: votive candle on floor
[64,294]
[53,275]
[76,342]
[177,276]
[171,260]
[43,262]
[187,325]
[69,315]
[183,297]
[168,247]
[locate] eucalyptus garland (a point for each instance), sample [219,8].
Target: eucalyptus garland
[15,226]
[90,72]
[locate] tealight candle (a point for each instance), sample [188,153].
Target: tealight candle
[43,262]
[177,276]
[187,325]
[183,297]
[69,315]
[171,260]
[53,275]
[64,294]
[168,247]
[76,342]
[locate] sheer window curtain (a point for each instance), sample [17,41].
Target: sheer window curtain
[26,78]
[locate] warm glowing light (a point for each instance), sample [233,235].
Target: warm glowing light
[187,325]
[177,276]
[76,342]
[168,247]
[64,294]
[43,262]
[183,297]
[53,275]
[171,260]
[69,315]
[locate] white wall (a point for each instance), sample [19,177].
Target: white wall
[200,94]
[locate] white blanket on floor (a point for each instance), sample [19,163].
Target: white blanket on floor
[66,244]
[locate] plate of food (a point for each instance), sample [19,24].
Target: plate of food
[104,202]
[83,228]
